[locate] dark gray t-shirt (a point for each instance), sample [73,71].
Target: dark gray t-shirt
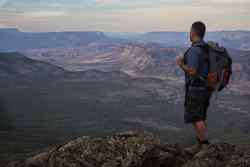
[196,58]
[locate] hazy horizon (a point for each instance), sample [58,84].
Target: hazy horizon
[123,16]
[123,32]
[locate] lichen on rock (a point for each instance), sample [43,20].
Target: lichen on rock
[132,149]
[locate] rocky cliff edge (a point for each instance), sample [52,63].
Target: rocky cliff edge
[132,149]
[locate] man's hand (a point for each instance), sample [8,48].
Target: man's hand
[186,68]
[180,61]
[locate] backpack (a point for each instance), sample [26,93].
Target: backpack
[220,67]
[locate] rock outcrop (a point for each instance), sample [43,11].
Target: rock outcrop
[131,149]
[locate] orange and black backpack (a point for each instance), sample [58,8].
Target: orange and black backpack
[220,67]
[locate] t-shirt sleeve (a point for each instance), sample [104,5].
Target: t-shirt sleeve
[193,58]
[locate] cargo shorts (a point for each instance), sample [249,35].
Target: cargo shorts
[197,101]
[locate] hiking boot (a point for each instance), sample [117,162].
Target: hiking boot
[203,151]
[193,149]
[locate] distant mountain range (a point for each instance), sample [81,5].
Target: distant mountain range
[16,66]
[13,39]
[133,59]
[230,39]
[137,60]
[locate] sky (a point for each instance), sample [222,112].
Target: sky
[123,15]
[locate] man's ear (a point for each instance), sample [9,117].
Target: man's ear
[191,35]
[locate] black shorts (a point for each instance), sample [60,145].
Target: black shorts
[196,104]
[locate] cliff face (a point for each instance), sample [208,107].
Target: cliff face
[131,149]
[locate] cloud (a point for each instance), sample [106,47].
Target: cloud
[3,2]
[3,26]
[109,4]
[45,14]
[107,1]
[229,1]
[123,15]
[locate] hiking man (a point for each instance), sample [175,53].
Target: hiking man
[195,65]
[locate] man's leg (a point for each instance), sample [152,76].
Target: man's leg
[201,130]
[197,147]
[202,134]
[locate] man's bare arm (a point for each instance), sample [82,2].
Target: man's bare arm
[189,70]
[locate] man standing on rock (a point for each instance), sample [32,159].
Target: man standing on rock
[195,65]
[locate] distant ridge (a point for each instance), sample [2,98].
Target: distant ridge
[234,39]
[44,32]
[239,39]
[13,64]
[14,40]
[9,30]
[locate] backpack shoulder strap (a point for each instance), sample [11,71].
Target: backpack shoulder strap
[205,50]
[185,55]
